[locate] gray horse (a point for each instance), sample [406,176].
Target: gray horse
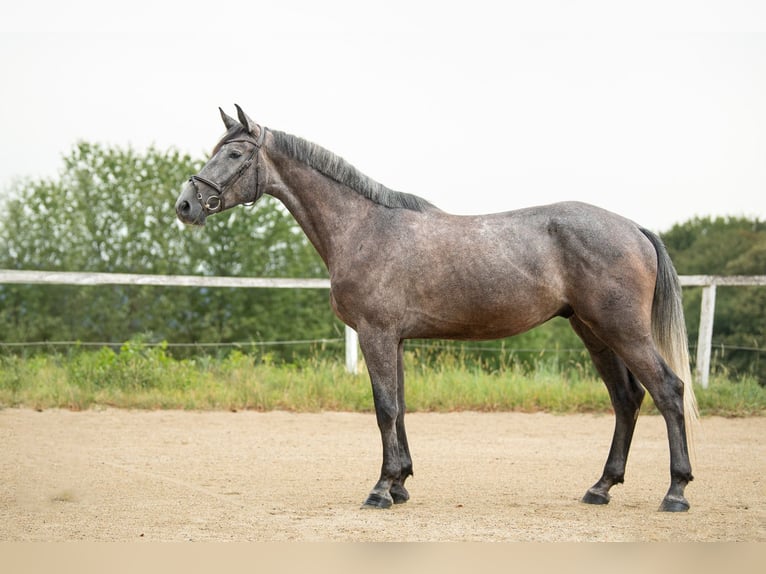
[400,268]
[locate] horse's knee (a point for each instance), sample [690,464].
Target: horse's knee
[386,414]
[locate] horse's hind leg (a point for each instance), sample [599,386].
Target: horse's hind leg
[643,360]
[626,395]
[667,391]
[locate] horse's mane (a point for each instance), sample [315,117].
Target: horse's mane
[338,169]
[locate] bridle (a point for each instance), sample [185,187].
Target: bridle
[214,202]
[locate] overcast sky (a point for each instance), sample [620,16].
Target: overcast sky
[656,110]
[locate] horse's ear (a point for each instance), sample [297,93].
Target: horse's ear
[228,121]
[251,127]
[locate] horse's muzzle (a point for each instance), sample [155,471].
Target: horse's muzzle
[188,209]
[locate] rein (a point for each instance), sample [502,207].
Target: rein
[214,202]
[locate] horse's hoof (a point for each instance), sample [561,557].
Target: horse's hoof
[377,500]
[399,494]
[674,504]
[593,497]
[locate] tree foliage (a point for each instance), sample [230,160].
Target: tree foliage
[726,246]
[112,210]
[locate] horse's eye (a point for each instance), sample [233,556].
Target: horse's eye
[235,154]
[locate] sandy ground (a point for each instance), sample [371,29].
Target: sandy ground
[117,475]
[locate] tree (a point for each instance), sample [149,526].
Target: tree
[112,210]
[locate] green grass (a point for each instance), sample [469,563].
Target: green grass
[147,378]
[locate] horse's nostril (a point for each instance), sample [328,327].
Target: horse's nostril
[184,208]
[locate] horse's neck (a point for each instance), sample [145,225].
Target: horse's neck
[325,209]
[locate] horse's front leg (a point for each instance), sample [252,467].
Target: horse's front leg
[398,492]
[381,351]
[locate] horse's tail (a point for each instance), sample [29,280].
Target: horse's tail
[669,328]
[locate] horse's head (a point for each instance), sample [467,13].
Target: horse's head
[230,178]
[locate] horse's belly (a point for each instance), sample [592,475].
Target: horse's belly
[475,322]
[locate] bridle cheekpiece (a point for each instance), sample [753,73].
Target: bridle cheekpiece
[214,203]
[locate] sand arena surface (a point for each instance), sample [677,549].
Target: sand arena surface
[117,475]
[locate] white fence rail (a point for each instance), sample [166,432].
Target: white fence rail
[76,278]
[709,284]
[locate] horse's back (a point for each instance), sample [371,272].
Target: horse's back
[567,239]
[487,276]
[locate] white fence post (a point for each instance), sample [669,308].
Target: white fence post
[705,340]
[709,283]
[352,351]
